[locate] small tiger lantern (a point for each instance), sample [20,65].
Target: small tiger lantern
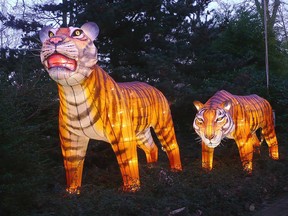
[94,106]
[238,118]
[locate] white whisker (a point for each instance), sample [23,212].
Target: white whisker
[198,140]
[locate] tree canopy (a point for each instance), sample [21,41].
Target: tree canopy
[179,46]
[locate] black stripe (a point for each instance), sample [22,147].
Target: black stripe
[73,158]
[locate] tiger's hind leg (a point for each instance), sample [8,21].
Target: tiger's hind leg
[167,138]
[271,140]
[146,143]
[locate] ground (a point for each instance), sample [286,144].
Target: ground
[32,182]
[278,207]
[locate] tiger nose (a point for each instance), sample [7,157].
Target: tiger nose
[55,40]
[209,136]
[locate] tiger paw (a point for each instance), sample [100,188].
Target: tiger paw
[131,189]
[273,154]
[72,190]
[207,166]
[151,165]
[247,169]
[176,168]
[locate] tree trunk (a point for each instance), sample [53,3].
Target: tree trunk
[271,16]
[64,15]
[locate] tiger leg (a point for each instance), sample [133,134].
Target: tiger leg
[207,157]
[167,138]
[271,140]
[245,147]
[146,143]
[126,154]
[73,151]
[256,143]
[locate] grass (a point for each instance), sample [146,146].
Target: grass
[32,180]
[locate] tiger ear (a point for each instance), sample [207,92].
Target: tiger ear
[198,105]
[226,105]
[91,29]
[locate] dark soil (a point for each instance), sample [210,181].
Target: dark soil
[278,207]
[32,182]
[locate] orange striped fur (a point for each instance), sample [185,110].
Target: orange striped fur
[94,106]
[238,118]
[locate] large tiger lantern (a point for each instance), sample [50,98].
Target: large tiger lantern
[238,118]
[94,106]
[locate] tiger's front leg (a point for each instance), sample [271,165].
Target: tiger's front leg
[74,151]
[256,143]
[207,157]
[245,147]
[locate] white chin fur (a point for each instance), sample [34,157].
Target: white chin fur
[211,145]
[66,77]
[59,73]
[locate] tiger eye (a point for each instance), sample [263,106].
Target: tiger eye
[219,119]
[77,32]
[200,121]
[50,34]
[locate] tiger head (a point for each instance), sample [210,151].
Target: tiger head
[213,124]
[68,54]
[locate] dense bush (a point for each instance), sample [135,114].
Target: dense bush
[32,179]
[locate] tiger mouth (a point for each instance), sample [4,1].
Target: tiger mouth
[211,144]
[58,60]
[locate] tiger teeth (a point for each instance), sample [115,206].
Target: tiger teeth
[46,64]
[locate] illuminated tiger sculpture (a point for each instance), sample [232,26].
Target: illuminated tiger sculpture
[238,118]
[94,106]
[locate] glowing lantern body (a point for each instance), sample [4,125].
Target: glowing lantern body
[238,118]
[94,106]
